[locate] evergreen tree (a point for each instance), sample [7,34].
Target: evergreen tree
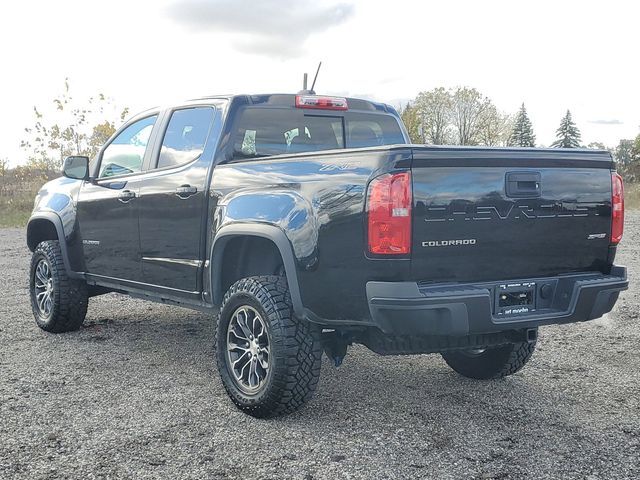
[522,134]
[568,135]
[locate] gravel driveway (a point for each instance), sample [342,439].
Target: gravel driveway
[135,394]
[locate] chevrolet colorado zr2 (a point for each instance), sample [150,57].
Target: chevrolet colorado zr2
[307,223]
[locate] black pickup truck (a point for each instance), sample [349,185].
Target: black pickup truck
[309,223]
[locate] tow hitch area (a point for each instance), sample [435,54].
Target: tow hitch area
[515,298]
[335,345]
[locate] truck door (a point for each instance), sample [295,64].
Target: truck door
[107,208]
[173,199]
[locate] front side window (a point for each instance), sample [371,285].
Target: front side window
[186,136]
[124,155]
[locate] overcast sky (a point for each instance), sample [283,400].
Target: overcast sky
[552,55]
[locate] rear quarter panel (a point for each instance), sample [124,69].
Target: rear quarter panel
[318,201]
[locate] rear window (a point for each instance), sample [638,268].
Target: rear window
[262,132]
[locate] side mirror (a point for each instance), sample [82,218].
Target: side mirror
[76,167]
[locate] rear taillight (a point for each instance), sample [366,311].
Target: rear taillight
[389,214]
[617,208]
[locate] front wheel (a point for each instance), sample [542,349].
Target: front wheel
[268,360]
[59,303]
[491,362]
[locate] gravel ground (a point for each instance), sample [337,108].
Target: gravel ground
[135,394]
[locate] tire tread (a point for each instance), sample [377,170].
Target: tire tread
[299,353]
[494,363]
[70,295]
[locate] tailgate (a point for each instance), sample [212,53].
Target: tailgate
[497,215]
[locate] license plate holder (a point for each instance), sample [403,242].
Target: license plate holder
[515,298]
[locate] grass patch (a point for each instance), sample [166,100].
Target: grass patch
[15,210]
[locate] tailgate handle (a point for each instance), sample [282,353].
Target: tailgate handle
[523,184]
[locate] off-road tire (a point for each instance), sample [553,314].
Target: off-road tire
[295,349]
[493,362]
[69,298]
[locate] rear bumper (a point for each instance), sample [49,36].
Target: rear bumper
[410,308]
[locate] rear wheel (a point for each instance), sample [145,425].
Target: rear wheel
[491,362]
[59,303]
[268,360]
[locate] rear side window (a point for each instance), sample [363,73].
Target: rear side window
[185,137]
[263,132]
[370,130]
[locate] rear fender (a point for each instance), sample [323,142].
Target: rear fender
[283,217]
[270,232]
[284,209]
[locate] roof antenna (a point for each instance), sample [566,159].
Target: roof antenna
[315,78]
[306,91]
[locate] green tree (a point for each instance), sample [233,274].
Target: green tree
[72,128]
[567,134]
[635,149]
[623,153]
[494,128]
[597,146]
[627,157]
[522,133]
[409,116]
[468,106]
[4,166]
[434,114]
[99,135]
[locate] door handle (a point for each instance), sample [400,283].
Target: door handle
[185,191]
[523,184]
[126,195]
